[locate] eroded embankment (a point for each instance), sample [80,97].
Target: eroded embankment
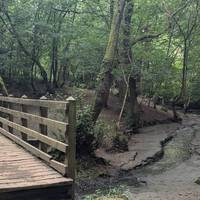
[167,167]
[173,177]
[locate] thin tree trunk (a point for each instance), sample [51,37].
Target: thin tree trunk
[112,5]
[32,78]
[15,34]
[183,91]
[55,63]
[3,87]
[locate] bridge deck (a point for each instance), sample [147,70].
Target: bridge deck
[20,171]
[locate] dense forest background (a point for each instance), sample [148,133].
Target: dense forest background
[130,64]
[146,48]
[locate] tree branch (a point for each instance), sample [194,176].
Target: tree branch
[147,38]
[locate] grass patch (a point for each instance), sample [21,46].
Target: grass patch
[116,193]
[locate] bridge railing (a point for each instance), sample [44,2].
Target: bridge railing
[8,127]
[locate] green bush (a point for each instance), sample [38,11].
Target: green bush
[89,136]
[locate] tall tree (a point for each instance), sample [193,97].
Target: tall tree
[16,35]
[109,60]
[186,30]
[128,62]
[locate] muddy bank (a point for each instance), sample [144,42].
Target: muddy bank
[143,148]
[173,176]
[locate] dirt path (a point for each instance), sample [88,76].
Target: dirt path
[174,176]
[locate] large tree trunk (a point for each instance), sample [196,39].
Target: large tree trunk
[134,109]
[108,61]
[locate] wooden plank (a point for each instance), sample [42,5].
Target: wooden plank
[43,128]
[13,160]
[29,179]
[10,105]
[27,146]
[61,126]
[45,139]
[72,143]
[32,167]
[38,153]
[34,185]
[62,168]
[25,176]
[36,102]
[72,138]
[24,121]
[35,174]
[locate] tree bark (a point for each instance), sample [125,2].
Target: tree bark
[3,87]
[54,63]
[108,61]
[134,109]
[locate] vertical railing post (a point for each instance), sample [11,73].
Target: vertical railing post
[24,122]
[72,140]
[10,106]
[1,104]
[43,128]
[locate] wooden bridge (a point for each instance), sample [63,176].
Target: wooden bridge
[34,164]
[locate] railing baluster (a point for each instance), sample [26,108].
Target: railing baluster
[43,128]
[21,126]
[10,116]
[24,122]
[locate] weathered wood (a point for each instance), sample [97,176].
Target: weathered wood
[27,146]
[10,105]
[45,139]
[24,172]
[43,128]
[32,185]
[62,168]
[35,102]
[24,122]
[24,175]
[72,140]
[61,126]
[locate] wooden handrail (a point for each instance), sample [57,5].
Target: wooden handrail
[36,102]
[68,128]
[62,168]
[43,138]
[61,126]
